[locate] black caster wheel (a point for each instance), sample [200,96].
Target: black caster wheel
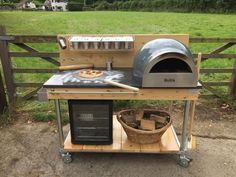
[67,158]
[184,161]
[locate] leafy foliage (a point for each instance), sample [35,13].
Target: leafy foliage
[148,5]
[75,6]
[164,5]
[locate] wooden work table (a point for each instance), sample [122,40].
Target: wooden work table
[169,142]
[56,89]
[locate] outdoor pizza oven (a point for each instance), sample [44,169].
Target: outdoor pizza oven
[164,63]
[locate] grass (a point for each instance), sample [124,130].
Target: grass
[43,117]
[42,111]
[118,23]
[194,24]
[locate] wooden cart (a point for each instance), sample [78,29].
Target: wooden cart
[169,142]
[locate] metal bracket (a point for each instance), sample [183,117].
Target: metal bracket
[66,156]
[184,160]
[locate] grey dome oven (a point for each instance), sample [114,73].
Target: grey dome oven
[164,63]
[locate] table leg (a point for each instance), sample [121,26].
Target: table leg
[184,160]
[59,125]
[192,111]
[66,156]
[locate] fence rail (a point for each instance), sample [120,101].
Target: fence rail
[23,42]
[211,40]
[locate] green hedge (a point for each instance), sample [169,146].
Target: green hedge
[7,6]
[87,8]
[155,5]
[169,5]
[74,6]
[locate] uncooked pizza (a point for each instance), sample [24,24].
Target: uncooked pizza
[90,73]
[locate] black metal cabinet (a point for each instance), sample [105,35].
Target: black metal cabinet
[91,121]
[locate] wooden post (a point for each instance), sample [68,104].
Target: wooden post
[3,99]
[7,66]
[193,103]
[233,86]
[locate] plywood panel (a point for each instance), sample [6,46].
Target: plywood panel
[120,58]
[192,143]
[90,148]
[116,146]
[68,146]
[168,143]
[128,146]
[150,148]
[123,94]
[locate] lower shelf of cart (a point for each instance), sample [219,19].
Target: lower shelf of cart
[169,143]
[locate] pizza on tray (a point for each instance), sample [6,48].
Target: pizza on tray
[90,73]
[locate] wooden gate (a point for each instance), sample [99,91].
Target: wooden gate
[218,54]
[3,98]
[25,41]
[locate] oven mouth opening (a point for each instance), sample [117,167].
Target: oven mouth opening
[171,65]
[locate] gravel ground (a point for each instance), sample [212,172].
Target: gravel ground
[30,149]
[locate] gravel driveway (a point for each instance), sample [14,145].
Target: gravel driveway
[30,149]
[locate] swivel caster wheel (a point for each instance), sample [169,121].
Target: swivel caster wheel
[184,161]
[67,158]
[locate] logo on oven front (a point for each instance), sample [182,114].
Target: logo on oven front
[169,80]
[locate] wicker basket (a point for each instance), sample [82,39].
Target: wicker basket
[142,136]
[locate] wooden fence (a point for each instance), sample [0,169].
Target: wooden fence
[23,42]
[3,98]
